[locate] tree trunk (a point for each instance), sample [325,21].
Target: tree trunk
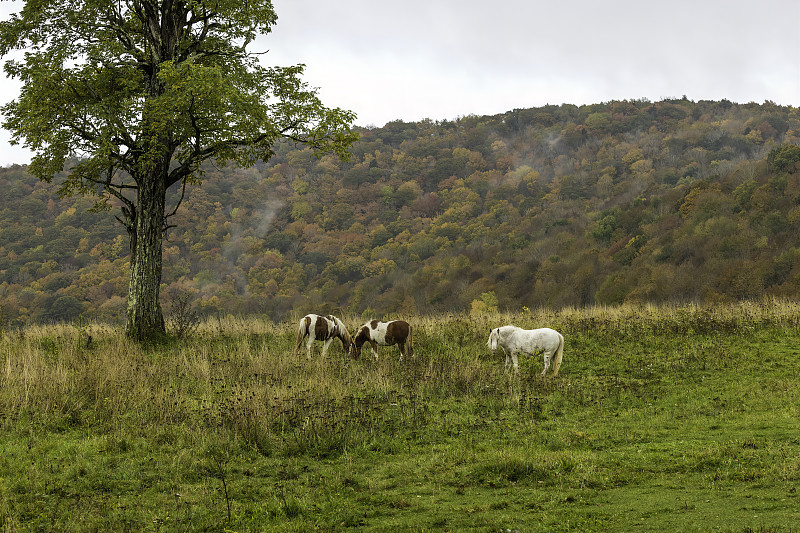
[145,319]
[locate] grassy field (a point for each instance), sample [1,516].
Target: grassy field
[662,419]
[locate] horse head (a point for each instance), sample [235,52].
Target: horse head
[494,337]
[344,336]
[358,341]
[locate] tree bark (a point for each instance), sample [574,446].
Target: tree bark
[145,318]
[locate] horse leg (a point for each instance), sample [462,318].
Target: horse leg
[325,346]
[309,345]
[547,356]
[516,362]
[402,347]
[374,346]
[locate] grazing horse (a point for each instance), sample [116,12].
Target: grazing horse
[385,334]
[514,340]
[322,328]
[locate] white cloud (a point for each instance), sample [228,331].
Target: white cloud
[447,58]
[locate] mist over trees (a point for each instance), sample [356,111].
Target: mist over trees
[625,201]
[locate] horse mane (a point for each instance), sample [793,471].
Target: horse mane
[343,332]
[346,336]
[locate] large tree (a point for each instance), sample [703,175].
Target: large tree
[137,94]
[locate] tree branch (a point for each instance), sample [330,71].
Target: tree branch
[167,226]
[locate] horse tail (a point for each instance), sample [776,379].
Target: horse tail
[302,331]
[410,341]
[559,354]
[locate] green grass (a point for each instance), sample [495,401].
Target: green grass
[662,419]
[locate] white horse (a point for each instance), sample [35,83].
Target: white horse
[397,332]
[514,340]
[321,328]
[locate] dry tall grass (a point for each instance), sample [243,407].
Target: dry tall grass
[240,374]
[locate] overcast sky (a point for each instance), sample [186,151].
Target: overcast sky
[442,59]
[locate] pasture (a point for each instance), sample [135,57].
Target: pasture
[661,419]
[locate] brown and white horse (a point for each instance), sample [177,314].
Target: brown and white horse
[384,334]
[322,328]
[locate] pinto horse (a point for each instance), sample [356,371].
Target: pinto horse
[514,340]
[397,332]
[322,328]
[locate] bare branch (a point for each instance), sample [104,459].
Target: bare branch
[180,201]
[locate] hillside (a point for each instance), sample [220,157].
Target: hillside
[626,201]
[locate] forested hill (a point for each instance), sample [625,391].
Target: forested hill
[559,205]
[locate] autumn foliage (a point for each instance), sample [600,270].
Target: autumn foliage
[626,201]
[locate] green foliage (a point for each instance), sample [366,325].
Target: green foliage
[606,225]
[784,158]
[63,309]
[89,80]
[487,303]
